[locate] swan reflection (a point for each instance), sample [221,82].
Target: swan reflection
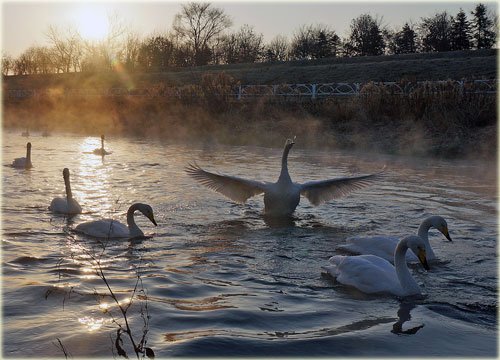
[404,316]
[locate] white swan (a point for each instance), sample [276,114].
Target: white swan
[101,151]
[66,205]
[109,228]
[282,197]
[372,274]
[384,246]
[24,162]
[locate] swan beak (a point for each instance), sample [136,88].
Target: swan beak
[446,234]
[423,259]
[152,220]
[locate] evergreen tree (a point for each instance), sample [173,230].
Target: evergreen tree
[366,36]
[405,41]
[482,26]
[460,32]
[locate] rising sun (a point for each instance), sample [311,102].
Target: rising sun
[92,23]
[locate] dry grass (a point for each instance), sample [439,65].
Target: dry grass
[437,124]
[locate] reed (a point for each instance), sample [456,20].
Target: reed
[441,123]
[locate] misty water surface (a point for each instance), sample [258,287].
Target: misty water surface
[219,280]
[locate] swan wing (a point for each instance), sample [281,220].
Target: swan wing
[382,246]
[318,192]
[368,273]
[235,188]
[105,228]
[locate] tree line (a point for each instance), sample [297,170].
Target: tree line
[201,35]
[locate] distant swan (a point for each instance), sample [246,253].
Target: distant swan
[66,205]
[282,197]
[109,228]
[24,162]
[101,151]
[372,274]
[384,246]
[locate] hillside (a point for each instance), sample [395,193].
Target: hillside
[478,64]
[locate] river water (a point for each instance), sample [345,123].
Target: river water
[215,278]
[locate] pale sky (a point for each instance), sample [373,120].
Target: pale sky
[24,23]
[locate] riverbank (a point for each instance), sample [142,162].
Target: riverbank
[445,125]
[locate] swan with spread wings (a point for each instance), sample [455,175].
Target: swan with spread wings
[282,197]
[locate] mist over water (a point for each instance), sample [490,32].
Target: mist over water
[220,281]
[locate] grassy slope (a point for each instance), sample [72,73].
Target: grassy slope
[420,67]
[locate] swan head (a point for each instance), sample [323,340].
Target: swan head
[102,137]
[417,245]
[440,224]
[147,212]
[28,146]
[66,173]
[289,143]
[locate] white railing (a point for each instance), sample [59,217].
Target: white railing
[292,91]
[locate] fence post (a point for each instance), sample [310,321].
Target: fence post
[239,92]
[313,90]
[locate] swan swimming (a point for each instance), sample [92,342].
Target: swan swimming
[109,228]
[282,197]
[101,151]
[372,274]
[66,205]
[384,246]
[24,162]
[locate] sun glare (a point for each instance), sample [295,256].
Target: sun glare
[92,23]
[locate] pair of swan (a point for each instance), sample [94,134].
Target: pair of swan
[24,162]
[104,228]
[282,197]
[101,151]
[373,272]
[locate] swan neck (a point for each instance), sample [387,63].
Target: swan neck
[67,184]
[132,226]
[407,282]
[102,143]
[130,216]
[28,154]
[423,233]
[284,175]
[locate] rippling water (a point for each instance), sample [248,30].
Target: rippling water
[219,280]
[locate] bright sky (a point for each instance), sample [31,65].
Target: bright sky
[25,23]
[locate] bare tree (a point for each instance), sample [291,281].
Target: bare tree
[244,46]
[7,64]
[314,42]
[277,49]
[67,48]
[198,24]
[435,32]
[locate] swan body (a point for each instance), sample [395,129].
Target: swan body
[24,162]
[372,274]
[110,228]
[101,151]
[67,205]
[282,197]
[384,246]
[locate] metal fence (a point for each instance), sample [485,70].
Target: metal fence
[282,91]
